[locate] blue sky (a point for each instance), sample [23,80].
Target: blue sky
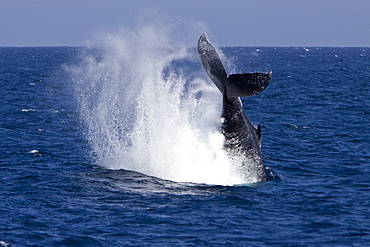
[233,22]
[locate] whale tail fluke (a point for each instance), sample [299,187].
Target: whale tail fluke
[235,85]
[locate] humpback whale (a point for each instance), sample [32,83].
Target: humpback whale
[242,139]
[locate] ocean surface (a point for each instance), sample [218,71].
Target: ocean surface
[115,147]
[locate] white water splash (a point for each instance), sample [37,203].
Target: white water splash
[142,113]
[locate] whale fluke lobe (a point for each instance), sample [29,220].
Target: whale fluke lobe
[212,63]
[242,139]
[245,85]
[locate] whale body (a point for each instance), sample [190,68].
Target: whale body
[242,139]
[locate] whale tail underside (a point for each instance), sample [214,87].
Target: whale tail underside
[234,85]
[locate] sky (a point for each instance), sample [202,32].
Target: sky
[234,22]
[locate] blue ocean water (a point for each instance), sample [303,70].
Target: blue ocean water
[67,180]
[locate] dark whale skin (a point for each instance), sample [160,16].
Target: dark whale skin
[242,139]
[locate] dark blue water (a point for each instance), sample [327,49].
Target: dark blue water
[315,124]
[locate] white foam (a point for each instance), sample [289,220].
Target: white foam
[143,115]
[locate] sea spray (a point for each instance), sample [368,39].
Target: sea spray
[148,107]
